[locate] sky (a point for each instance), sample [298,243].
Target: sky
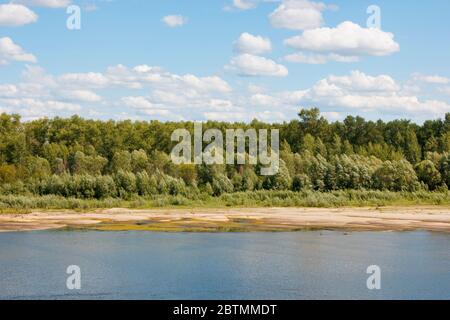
[228,60]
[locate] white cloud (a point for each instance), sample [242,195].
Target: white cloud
[205,84]
[144,106]
[82,95]
[166,90]
[90,7]
[251,65]
[158,112]
[300,57]
[298,15]
[8,90]
[144,75]
[45,3]
[444,90]
[137,102]
[166,96]
[253,88]
[245,4]
[264,100]
[370,94]
[222,105]
[90,79]
[9,51]
[226,116]
[13,15]
[431,79]
[332,115]
[174,20]
[358,81]
[270,116]
[348,39]
[31,108]
[248,43]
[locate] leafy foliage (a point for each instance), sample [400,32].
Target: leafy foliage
[87,159]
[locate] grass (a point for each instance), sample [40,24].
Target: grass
[335,199]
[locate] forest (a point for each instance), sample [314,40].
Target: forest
[66,161]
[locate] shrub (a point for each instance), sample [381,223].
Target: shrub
[125,183]
[428,174]
[105,187]
[221,184]
[145,185]
[301,182]
[396,176]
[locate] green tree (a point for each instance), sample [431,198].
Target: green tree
[428,174]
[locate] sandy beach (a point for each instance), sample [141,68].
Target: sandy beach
[259,219]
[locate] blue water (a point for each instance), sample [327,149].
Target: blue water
[303,265]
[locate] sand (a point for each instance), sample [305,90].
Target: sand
[431,218]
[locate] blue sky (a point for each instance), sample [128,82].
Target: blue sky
[225,59]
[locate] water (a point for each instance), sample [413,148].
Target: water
[303,265]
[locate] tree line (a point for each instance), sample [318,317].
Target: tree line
[82,158]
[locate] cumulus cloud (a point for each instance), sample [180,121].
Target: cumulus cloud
[265,100]
[31,108]
[13,15]
[298,15]
[332,115]
[8,90]
[151,92]
[137,102]
[245,4]
[45,3]
[252,65]
[347,39]
[356,92]
[301,57]
[174,21]
[9,51]
[370,94]
[82,95]
[144,106]
[359,81]
[444,90]
[430,79]
[226,116]
[166,93]
[270,116]
[248,43]
[89,79]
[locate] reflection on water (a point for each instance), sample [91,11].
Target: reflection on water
[303,265]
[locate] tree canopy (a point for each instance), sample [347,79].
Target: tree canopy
[83,158]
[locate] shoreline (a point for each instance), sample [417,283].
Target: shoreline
[429,218]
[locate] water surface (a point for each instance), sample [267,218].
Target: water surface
[302,265]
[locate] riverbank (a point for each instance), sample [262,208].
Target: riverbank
[256,199]
[431,218]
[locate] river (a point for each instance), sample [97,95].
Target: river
[300,265]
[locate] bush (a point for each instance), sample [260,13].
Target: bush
[396,176]
[444,169]
[146,185]
[125,184]
[105,187]
[301,182]
[85,186]
[221,184]
[428,174]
